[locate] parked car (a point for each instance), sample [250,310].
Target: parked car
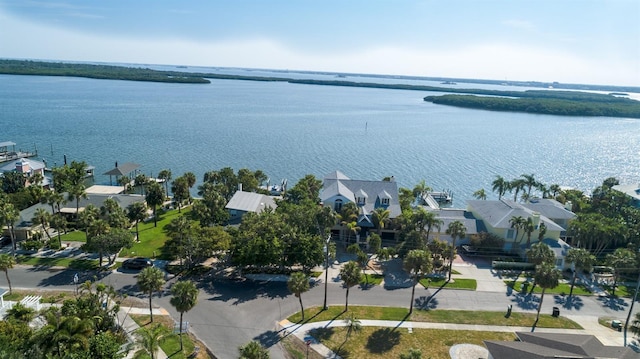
[137,263]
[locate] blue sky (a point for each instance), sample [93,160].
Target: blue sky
[573,41]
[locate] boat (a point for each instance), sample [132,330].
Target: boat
[8,152]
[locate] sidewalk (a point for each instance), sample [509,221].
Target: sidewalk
[129,326]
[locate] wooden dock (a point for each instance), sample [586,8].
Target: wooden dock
[8,152]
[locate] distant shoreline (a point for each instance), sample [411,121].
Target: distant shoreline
[562,103]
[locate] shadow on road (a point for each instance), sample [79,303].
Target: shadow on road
[613,303]
[569,303]
[238,292]
[525,301]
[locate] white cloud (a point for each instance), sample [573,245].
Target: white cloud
[488,61]
[519,24]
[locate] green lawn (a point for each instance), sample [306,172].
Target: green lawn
[170,343]
[316,314]
[456,283]
[562,288]
[80,264]
[371,279]
[75,236]
[152,238]
[622,290]
[383,343]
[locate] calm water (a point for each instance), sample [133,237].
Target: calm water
[291,130]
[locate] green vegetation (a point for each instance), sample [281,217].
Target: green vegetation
[371,279]
[170,344]
[374,342]
[80,264]
[456,283]
[562,288]
[41,68]
[316,314]
[547,103]
[152,238]
[73,236]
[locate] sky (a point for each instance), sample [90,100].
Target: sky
[569,41]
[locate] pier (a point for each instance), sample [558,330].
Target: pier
[8,152]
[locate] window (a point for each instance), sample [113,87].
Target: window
[385,201]
[361,201]
[510,233]
[337,205]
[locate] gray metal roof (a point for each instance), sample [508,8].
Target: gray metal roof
[347,188]
[11,166]
[631,190]
[122,169]
[250,202]
[549,208]
[498,213]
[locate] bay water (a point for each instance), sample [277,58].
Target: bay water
[290,130]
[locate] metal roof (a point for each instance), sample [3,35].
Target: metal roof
[123,169]
[250,202]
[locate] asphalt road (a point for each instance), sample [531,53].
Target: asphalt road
[230,314]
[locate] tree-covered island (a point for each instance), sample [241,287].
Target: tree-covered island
[548,102]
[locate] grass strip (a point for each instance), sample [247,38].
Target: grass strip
[170,343]
[316,314]
[80,264]
[562,288]
[456,283]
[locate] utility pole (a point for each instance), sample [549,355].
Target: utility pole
[326,271]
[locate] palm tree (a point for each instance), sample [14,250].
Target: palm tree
[253,350]
[555,190]
[529,182]
[529,228]
[430,221]
[298,283]
[582,261]
[353,325]
[124,181]
[516,186]
[137,212]
[165,176]
[517,222]
[74,333]
[191,179]
[149,337]
[540,254]
[353,228]
[635,325]
[42,217]
[411,354]
[8,216]
[380,218]
[150,279]
[499,185]
[7,262]
[185,297]
[456,230]
[421,189]
[351,275]
[417,262]
[59,223]
[155,198]
[480,194]
[547,276]
[78,192]
[620,260]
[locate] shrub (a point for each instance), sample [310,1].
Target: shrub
[31,245]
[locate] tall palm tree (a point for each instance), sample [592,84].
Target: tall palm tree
[456,229]
[530,182]
[620,260]
[74,333]
[137,212]
[516,186]
[7,262]
[517,222]
[150,279]
[59,223]
[431,221]
[421,189]
[480,194]
[8,216]
[298,283]
[77,192]
[43,218]
[165,176]
[582,261]
[540,254]
[149,337]
[155,198]
[555,190]
[353,228]
[500,185]
[380,218]
[191,179]
[351,275]
[417,262]
[547,276]
[185,297]
[529,228]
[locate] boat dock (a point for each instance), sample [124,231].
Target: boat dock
[8,152]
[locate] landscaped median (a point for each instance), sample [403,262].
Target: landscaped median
[170,343]
[562,288]
[390,342]
[73,263]
[456,283]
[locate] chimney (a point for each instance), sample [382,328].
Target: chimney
[239,187]
[536,219]
[568,206]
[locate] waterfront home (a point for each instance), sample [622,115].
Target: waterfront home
[245,202]
[631,190]
[496,217]
[556,345]
[471,224]
[338,189]
[27,167]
